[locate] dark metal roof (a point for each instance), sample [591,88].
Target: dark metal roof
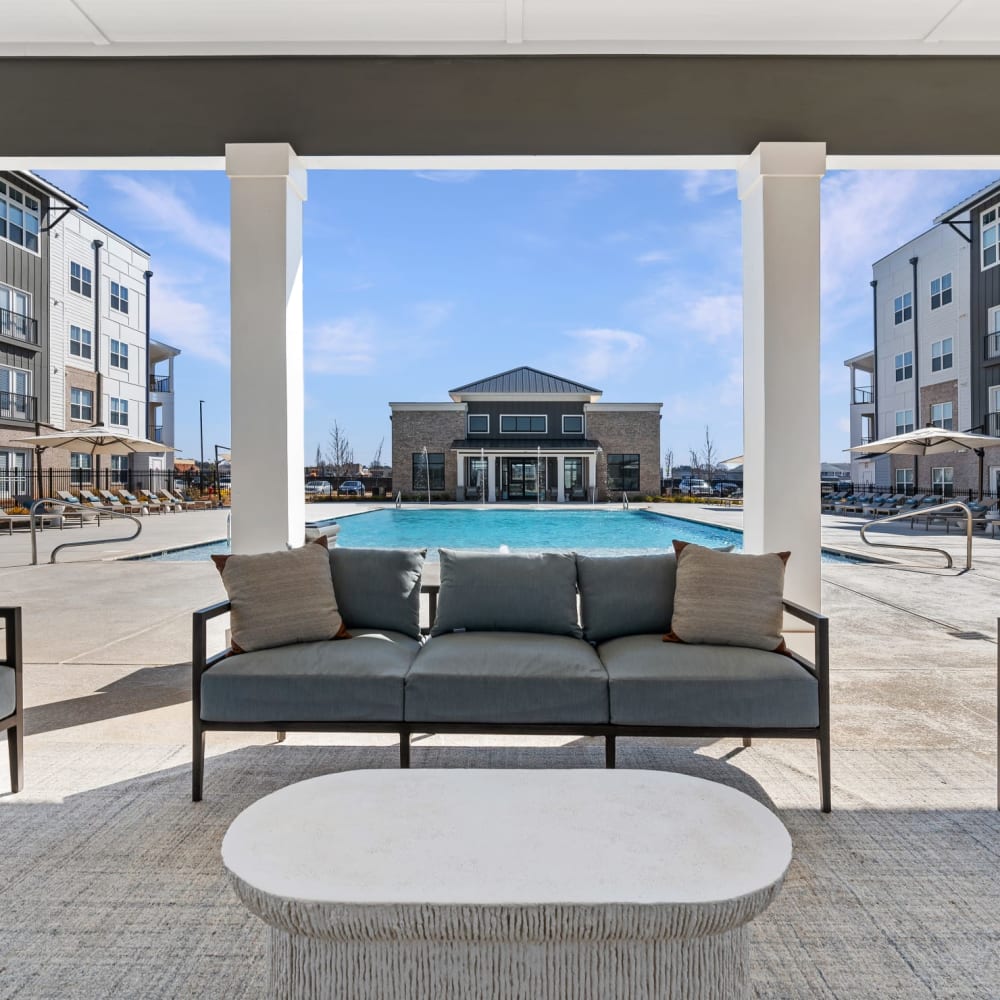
[525,446]
[526,379]
[967,203]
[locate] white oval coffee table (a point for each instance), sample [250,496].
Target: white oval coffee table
[542,885]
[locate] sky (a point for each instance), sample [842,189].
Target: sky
[418,282]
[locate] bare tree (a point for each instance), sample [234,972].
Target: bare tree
[668,467]
[319,460]
[375,465]
[710,456]
[341,454]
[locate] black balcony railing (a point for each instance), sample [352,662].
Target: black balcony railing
[866,440]
[862,395]
[17,327]
[156,433]
[17,406]
[992,341]
[157,384]
[991,425]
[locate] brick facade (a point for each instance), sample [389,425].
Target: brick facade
[627,431]
[435,429]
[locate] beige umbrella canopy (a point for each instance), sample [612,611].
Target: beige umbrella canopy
[96,440]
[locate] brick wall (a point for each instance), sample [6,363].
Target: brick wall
[625,432]
[412,430]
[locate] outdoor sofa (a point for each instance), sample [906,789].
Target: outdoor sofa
[550,643]
[11,698]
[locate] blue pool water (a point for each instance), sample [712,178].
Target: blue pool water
[606,532]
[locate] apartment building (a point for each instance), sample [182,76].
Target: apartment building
[526,435]
[75,345]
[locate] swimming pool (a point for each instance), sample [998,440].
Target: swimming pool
[595,532]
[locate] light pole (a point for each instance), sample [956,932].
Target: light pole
[201,437]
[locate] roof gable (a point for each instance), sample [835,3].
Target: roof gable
[526,380]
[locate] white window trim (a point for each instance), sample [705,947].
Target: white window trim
[995,224]
[942,367]
[902,309]
[989,397]
[542,415]
[575,416]
[951,288]
[90,405]
[89,356]
[940,421]
[112,414]
[904,423]
[122,352]
[903,366]
[112,296]
[468,423]
[90,271]
[23,208]
[21,291]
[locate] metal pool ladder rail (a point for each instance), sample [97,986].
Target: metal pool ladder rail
[936,509]
[63,505]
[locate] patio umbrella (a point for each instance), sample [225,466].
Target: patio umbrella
[930,441]
[96,440]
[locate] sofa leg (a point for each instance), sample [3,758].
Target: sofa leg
[197,765]
[609,752]
[746,741]
[15,749]
[281,735]
[404,750]
[823,760]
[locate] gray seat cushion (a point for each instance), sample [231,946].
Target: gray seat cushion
[7,697]
[510,592]
[343,680]
[625,595]
[506,678]
[378,588]
[657,683]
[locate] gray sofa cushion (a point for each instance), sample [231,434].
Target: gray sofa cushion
[657,683]
[516,592]
[625,595]
[7,698]
[506,677]
[348,680]
[378,588]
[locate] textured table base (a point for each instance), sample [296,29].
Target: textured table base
[699,968]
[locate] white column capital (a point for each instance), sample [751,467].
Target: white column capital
[782,159]
[263,160]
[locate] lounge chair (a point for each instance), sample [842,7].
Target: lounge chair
[856,504]
[830,501]
[186,504]
[114,503]
[75,511]
[152,499]
[148,508]
[891,506]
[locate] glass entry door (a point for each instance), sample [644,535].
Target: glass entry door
[520,479]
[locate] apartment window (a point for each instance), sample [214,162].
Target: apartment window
[904,481]
[904,421]
[119,469]
[119,412]
[80,468]
[15,315]
[623,473]
[431,467]
[902,308]
[988,226]
[572,423]
[81,280]
[80,342]
[19,217]
[119,297]
[941,354]
[13,473]
[119,355]
[993,333]
[942,415]
[81,404]
[943,481]
[941,291]
[479,423]
[904,366]
[16,402]
[523,424]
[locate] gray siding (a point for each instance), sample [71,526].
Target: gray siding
[984,293]
[29,272]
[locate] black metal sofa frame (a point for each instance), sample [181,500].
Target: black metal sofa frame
[820,669]
[14,724]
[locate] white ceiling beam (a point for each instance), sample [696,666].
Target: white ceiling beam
[515,21]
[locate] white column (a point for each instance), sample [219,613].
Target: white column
[267,188]
[560,478]
[779,186]
[592,478]
[491,477]
[460,477]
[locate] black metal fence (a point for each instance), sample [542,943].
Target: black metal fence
[946,491]
[375,486]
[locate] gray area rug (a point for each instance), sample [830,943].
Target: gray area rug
[111,883]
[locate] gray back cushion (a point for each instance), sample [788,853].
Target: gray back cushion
[626,595]
[500,592]
[379,588]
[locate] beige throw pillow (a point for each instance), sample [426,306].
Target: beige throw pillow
[280,598]
[728,598]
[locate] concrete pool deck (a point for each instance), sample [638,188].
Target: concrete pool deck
[119,887]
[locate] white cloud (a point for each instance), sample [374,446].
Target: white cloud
[159,207]
[698,184]
[655,257]
[432,314]
[716,317]
[604,350]
[345,346]
[181,316]
[447,176]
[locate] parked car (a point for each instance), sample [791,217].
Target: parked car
[695,487]
[351,488]
[319,487]
[726,488]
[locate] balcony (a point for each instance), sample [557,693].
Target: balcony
[156,433]
[17,406]
[14,326]
[992,341]
[159,384]
[863,394]
[991,425]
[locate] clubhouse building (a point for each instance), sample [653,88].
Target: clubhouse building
[526,435]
